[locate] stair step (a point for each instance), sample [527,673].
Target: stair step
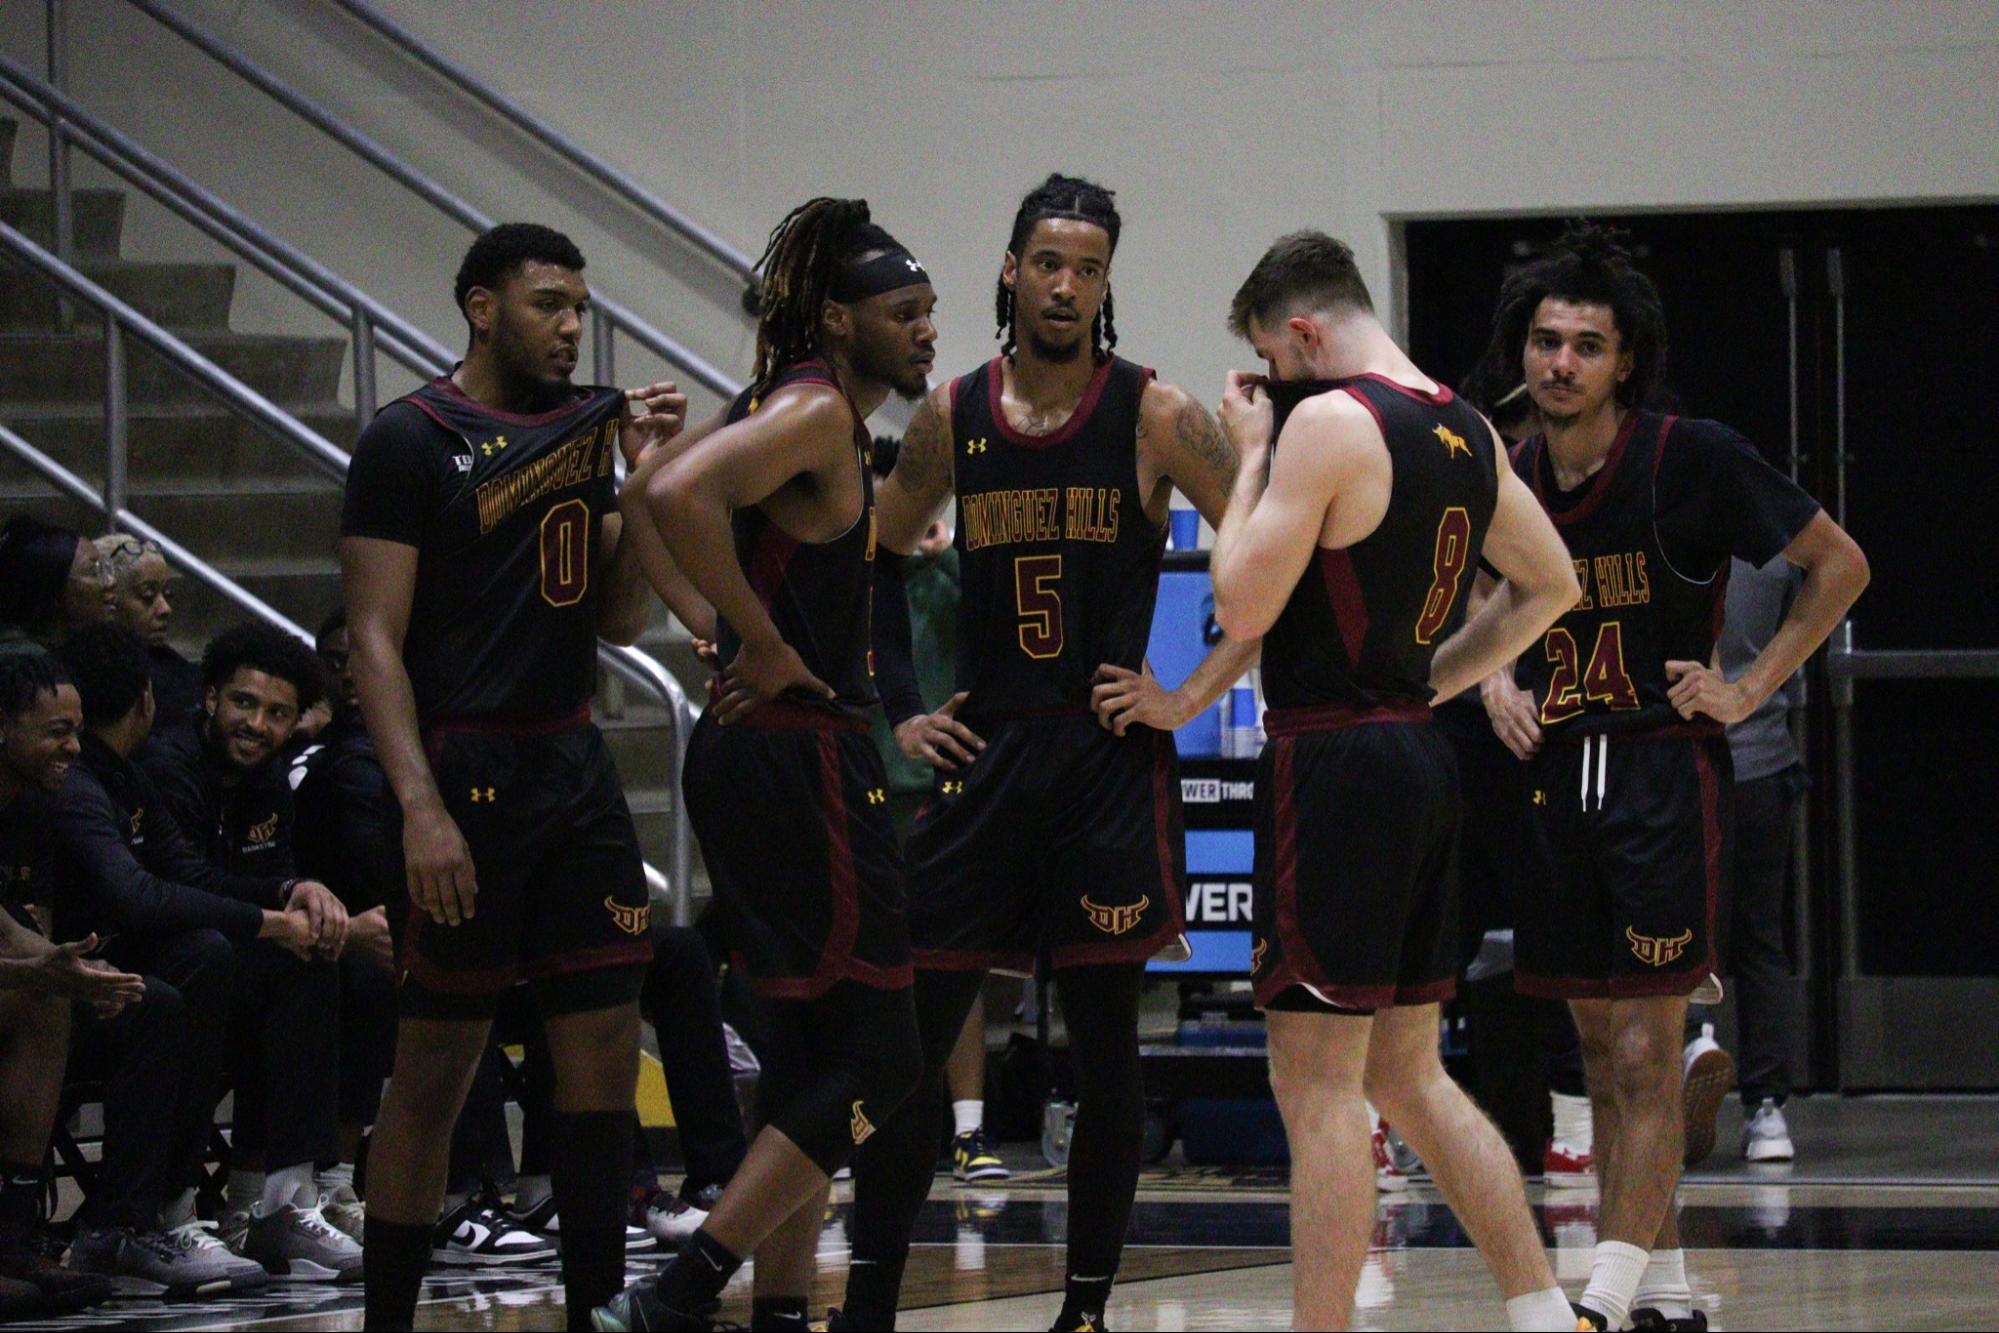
[97,217]
[184,297]
[192,441]
[70,367]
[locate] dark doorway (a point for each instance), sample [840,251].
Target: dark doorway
[1781,321]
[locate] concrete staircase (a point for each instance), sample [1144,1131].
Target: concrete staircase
[243,501]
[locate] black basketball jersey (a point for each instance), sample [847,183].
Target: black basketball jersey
[1364,621]
[506,511]
[820,595]
[1651,533]
[1058,562]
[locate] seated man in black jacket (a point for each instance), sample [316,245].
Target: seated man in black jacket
[125,871]
[224,780]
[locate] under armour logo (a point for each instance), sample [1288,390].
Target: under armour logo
[913,266]
[1115,920]
[876,796]
[977,446]
[954,789]
[494,445]
[486,794]
[1540,797]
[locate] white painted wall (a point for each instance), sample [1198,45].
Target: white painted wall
[1220,125]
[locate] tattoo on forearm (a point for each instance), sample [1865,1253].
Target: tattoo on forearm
[1202,439]
[924,465]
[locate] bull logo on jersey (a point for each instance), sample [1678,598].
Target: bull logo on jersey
[1454,443]
[493,446]
[260,834]
[1656,950]
[631,920]
[1115,920]
[861,1127]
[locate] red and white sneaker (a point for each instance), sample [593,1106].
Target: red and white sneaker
[1566,1167]
[1388,1176]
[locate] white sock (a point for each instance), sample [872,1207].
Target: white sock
[970,1115]
[334,1179]
[1613,1280]
[1574,1124]
[529,1191]
[245,1188]
[291,1185]
[1541,1312]
[178,1211]
[1664,1287]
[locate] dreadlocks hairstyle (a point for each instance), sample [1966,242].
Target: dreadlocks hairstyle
[804,253]
[1062,197]
[1589,265]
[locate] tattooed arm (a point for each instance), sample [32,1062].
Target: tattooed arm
[1179,446]
[911,497]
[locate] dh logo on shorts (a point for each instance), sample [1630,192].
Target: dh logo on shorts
[631,920]
[1655,951]
[1256,955]
[1115,920]
[860,1125]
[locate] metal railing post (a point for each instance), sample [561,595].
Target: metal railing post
[1846,806]
[603,356]
[116,418]
[681,848]
[364,369]
[58,57]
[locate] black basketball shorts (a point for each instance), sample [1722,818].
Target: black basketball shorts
[791,807]
[1060,835]
[1637,827]
[561,883]
[1357,815]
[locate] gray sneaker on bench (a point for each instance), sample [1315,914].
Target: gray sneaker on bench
[300,1245]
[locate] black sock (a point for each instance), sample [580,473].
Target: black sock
[695,1278]
[776,1314]
[20,1201]
[590,1172]
[395,1255]
[1086,1295]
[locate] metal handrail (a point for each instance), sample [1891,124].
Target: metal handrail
[579,157]
[610,315]
[279,260]
[121,319]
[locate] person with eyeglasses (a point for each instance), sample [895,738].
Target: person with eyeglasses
[142,591]
[51,581]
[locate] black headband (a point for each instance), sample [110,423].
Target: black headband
[885,272]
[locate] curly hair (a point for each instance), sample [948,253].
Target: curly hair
[25,678]
[107,662]
[1589,265]
[799,262]
[498,253]
[1062,197]
[267,649]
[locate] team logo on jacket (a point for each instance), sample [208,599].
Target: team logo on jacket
[1454,443]
[259,834]
[631,920]
[860,1125]
[1115,920]
[1655,950]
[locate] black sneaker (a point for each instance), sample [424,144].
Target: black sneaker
[639,1308]
[1588,1320]
[1079,1321]
[973,1158]
[476,1234]
[64,1290]
[1650,1319]
[545,1220]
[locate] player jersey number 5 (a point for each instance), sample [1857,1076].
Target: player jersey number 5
[1039,601]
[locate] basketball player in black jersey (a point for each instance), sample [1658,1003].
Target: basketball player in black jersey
[482,558]
[1619,710]
[1054,828]
[769,514]
[1366,497]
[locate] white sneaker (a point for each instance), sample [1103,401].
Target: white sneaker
[1766,1138]
[1389,1177]
[672,1221]
[344,1211]
[1709,992]
[1707,1073]
[478,1235]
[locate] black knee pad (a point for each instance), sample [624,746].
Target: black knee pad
[843,1065]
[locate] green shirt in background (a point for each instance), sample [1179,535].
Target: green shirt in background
[931,584]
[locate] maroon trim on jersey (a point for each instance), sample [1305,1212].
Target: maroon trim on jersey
[1077,419]
[1442,397]
[787,715]
[770,560]
[1711,839]
[446,384]
[1028,714]
[429,411]
[1338,717]
[448,981]
[588,960]
[972,960]
[1166,833]
[846,922]
[1430,992]
[1348,600]
[505,726]
[1598,485]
